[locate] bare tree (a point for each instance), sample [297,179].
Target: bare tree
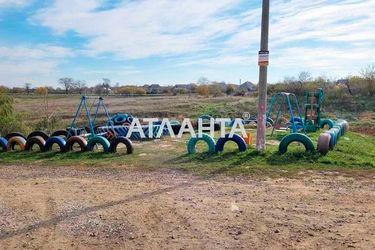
[203,80]
[304,76]
[80,86]
[67,83]
[27,87]
[106,85]
[368,73]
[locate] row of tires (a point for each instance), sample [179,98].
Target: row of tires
[218,146]
[64,145]
[326,141]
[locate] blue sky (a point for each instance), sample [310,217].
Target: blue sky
[173,41]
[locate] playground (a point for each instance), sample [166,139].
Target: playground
[160,196]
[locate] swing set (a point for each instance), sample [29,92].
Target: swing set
[286,103]
[97,103]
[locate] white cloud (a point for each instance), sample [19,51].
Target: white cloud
[139,29]
[319,36]
[21,64]
[36,52]
[14,3]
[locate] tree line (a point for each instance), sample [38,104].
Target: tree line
[362,84]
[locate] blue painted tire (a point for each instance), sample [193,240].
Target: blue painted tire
[340,130]
[194,140]
[3,144]
[333,140]
[55,140]
[236,138]
[98,140]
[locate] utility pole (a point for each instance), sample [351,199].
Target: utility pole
[262,85]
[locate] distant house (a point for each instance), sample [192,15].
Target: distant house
[248,86]
[342,82]
[153,89]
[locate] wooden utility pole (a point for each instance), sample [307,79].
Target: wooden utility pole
[262,85]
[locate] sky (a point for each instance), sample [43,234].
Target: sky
[178,41]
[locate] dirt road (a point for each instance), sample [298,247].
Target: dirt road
[66,207]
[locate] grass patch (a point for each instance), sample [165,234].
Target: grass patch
[353,152]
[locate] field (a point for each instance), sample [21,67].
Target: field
[160,197]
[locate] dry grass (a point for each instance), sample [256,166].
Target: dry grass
[64,107]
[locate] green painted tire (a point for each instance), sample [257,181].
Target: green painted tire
[194,140]
[328,122]
[296,137]
[98,140]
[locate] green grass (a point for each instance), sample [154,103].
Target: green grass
[354,153]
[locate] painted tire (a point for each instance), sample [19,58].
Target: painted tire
[63,133]
[333,141]
[344,124]
[73,140]
[98,140]
[116,141]
[8,136]
[194,140]
[296,137]
[328,122]
[324,143]
[269,121]
[55,140]
[3,144]
[236,138]
[38,140]
[16,140]
[340,129]
[205,117]
[38,133]
[120,118]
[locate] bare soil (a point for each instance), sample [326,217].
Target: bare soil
[96,208]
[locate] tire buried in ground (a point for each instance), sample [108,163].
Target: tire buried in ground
[38,133]
[55,140]
[93,141]
[118,140]
[38,140]
[16,140]
[241,144]
[296,137]
[3,144]
[191,145]
[76,140]
[8,136]
[62,133]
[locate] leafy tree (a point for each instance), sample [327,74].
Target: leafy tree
[203,90]
[230,89]
[9,120]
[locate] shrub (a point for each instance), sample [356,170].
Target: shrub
[9,120]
